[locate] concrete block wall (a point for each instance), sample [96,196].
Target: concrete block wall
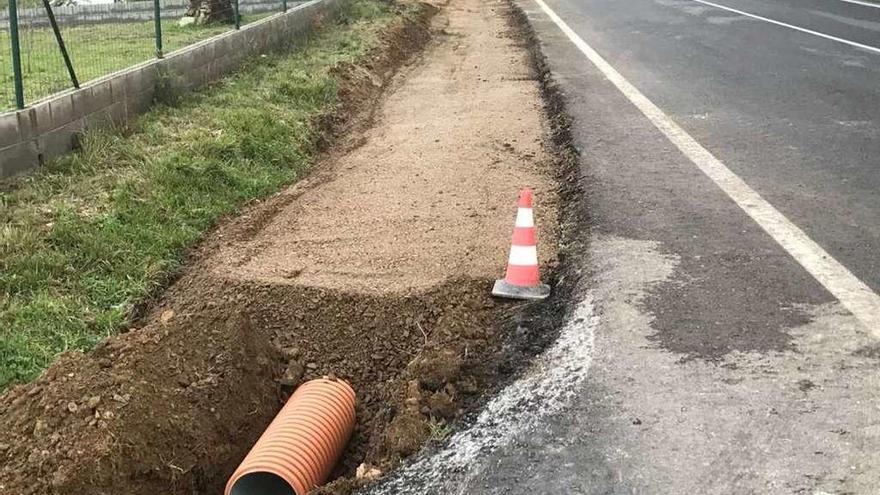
[51,127]
[77,15]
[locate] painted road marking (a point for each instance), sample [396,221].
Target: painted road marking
[857,297]
[866,4]
[792,26]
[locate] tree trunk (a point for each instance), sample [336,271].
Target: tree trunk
[209,11]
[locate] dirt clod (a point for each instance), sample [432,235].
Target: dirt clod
[291,353]
[166,316]
[436,368]
[406,433]
[442,404]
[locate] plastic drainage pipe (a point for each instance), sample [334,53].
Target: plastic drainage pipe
[302,444]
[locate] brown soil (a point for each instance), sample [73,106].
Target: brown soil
[375,269]
[429,192]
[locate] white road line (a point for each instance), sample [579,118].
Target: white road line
[866,4]
[791,26]
[857,297]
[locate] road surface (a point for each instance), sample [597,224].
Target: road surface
[731,154]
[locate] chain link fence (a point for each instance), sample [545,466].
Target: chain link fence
[47,46]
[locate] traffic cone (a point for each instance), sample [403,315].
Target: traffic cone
[522,280]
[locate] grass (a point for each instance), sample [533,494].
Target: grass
[100,230]
[438,429]
[95,50]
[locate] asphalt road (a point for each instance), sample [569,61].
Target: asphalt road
[721,364]
[728,350]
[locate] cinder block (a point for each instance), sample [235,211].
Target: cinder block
[150,75]
[201,76]
[27,124]
[62,110]
[101,119]
[9,133]
[117,113]
[234,41]
[256,39]
[82,101]
[223,66]
[186,60]
[117,87]
[222,46]
[85,101]
[214,71]
[272,25]
[102,95]
[204,52]
[138,104]
[18,158]
[180,77]
[41,118]
[185,80]
[299,25]
[138,80]
[239,51]
[60,141]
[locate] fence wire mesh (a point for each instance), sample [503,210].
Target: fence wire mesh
[102,38]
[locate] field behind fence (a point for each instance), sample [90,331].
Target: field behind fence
[100,39]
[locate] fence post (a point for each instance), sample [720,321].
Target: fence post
[235,13]
[157,14]
[16,55]
[61,46]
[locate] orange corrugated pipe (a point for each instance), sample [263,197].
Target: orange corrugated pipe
[303,443]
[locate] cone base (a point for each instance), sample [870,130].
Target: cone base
[504,289]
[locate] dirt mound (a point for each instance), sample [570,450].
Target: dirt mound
[376,269]
[174,406]
[445,340]
[157,408]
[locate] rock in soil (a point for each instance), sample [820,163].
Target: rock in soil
[292,376]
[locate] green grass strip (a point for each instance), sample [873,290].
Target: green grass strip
[98,231]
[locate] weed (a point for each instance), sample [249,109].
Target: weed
[439,429]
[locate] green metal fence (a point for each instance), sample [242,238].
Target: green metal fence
[47,46]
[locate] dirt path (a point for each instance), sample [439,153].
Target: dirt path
[377,269]
[429,193]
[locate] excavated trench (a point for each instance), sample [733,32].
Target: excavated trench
[174,406]
[376,269]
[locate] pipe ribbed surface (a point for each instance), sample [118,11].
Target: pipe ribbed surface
[299,449]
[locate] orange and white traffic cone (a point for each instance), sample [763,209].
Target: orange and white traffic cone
[522,280]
